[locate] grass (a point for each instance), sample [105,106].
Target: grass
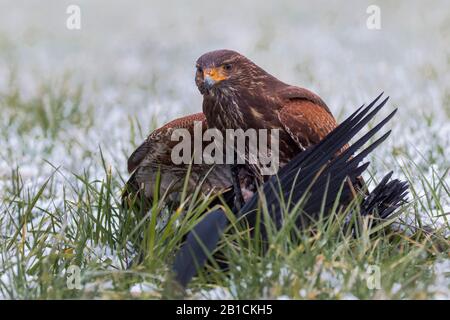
[42,241]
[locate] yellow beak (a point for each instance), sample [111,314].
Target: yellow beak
[212,76]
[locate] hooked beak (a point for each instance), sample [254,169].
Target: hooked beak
[211,76]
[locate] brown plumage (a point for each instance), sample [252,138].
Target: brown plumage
[154,155]
[239,94]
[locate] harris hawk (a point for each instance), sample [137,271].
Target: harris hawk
[238,94]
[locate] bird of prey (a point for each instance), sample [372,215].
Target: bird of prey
[238,94]
[325,175]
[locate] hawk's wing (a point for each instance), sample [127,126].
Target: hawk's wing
[155,156]
[156,148]
[305,121]
[138,155]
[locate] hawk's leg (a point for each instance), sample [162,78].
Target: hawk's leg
[238,198]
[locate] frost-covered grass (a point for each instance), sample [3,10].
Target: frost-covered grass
[74,104]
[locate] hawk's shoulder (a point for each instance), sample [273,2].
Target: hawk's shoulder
[290,94]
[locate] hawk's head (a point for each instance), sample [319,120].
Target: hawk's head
[224,70]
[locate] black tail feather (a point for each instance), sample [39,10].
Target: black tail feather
[387,196]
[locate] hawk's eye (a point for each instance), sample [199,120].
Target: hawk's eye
[227,66]
[199,69]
